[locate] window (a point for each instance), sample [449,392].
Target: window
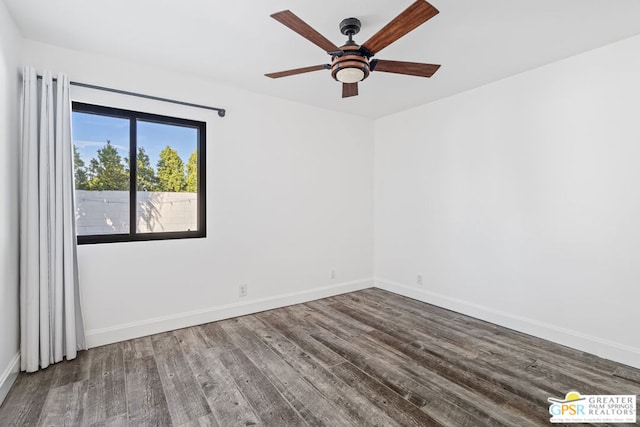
[138,176]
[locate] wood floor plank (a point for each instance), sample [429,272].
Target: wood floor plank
[204,421]
[192,339]
[403,332]
[441,319]
[435,323]
[64,405]
[227,403]
[106,392]
[117,421]
[137,348]
[387,368]
[431,354]
[71,371]
[376,320]
[455,342]
[521,392]
[500,336]
[146,401]
[216,338]
[184,396]
[384,372]
[581,378]
[23,405]
[421,327]
[284,324]
[302,396]
[383,398]
[268,403]
[335,321]
[488,379]
[353,405]
[627,373]
[472,400]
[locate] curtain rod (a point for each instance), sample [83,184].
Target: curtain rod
[221,111]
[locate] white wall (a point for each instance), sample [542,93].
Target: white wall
[10,41]
[290,198]
[519,202]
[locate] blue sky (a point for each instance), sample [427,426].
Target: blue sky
[91,132]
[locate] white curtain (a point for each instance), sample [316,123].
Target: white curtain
[51,325]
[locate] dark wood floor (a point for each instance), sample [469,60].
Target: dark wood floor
[363,359]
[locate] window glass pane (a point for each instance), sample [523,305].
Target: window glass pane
[101,160]
[167,180]
[169,183]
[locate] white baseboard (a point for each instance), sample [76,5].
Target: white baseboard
[595,345]
[103,336]
[9,376]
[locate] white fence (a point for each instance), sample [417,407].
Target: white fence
[107,212]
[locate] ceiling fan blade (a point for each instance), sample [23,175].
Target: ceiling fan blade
[298,71]
[414,16]
[401,67]
[349,89]
[288,19]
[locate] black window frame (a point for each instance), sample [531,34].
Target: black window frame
[134,117]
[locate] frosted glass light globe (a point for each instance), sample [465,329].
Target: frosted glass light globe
[350,75]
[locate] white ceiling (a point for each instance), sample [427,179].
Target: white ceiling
[235,42]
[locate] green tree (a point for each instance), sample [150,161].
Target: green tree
[192,173]
[147,180]
[107,172]
[79,171]
[170,171]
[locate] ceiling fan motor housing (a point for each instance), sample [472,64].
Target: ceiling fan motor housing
[351,67]
[350,26]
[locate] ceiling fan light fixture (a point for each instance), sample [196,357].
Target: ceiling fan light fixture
[350,75]
[352,63]
[351,66]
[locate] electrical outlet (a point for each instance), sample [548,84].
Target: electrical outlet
[243,290]
[419,280]
[333,275]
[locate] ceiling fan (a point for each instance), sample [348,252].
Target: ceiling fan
[351,62]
